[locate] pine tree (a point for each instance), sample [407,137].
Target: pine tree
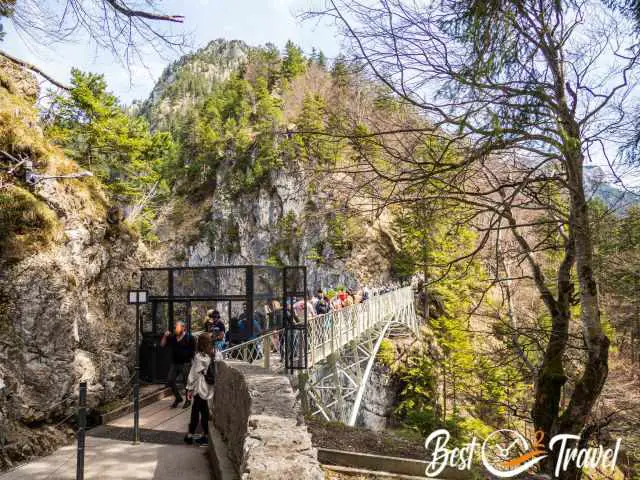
[94,130]
[294,63]
[322,59]
[340,71]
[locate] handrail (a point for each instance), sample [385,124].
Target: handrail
[330,332]
[259,348]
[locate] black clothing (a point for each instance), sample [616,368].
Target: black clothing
[181,351]
[176,371]
[199,412]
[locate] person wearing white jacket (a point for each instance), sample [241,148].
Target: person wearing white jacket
[200,390]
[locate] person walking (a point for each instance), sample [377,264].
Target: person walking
[182,347]
[200,388]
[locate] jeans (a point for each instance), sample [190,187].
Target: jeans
[199,412]
[178,371]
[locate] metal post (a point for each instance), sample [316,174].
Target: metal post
[266,350]
[249,298]
[136,384]
[82,424]
[284,349]
[305,332]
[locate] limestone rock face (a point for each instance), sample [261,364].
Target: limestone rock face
[379,400]
[63,314]
[255,228]
[210,65]
[64,320]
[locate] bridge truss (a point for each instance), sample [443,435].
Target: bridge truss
[343,352]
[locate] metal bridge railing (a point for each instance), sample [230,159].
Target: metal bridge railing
[330,332]
[265,349]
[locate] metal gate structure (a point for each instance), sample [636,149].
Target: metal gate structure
[253,299]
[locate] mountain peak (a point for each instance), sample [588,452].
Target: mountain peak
[191,78]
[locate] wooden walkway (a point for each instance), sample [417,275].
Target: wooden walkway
[110,453]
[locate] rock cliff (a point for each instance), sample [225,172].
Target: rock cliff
[63,273]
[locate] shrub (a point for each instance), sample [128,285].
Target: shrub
[386,353]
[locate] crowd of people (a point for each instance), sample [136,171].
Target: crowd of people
[192,360]
[271,315]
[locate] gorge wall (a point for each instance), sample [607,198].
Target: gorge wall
[63,273]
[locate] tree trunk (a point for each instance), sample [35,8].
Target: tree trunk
[589,386]
[444,389]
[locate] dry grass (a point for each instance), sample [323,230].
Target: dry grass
[19,130]
[29,215]
[26,223]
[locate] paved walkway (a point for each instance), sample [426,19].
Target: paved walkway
[110,454]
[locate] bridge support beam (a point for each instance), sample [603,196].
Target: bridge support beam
[336,387]
[365,377]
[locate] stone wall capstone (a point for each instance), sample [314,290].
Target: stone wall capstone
[255,412]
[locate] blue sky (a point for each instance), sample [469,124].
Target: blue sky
[254,21]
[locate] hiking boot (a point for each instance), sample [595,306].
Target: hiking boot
[176,402]
[188,439]
[187,404]
[203,441]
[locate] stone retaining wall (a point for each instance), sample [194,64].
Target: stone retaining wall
[255,412]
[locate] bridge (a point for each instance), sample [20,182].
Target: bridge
[340,351]
[255,428]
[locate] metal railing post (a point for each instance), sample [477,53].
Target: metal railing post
[266,351]
[136,385]
[333,332]
[82,424]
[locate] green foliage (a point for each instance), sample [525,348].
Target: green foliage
[95,131]
[340,71]
[616,257]
[294,63]
[318,58]
[266,63]
[387,353]
[314,256]
[314,147]
[342,232]
[418,406]
[435,386]
[239,120]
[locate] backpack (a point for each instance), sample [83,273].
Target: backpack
[322,307]
[210,374]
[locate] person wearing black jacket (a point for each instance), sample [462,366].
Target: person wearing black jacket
[182,347]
